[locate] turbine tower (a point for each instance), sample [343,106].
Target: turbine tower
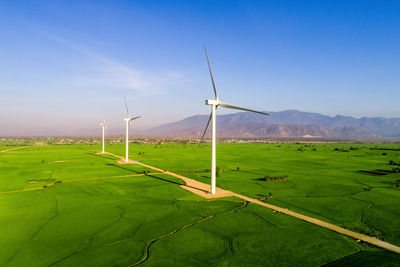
[215,103]
[103,125]
[128,125]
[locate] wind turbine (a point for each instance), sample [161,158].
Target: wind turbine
[215,103]
[128,125]
[103,125]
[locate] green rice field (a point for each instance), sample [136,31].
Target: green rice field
[65,205]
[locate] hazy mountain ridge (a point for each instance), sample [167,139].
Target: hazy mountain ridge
[288,123]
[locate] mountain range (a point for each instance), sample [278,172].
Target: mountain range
[284,124]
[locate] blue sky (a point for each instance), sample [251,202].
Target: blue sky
[66,65]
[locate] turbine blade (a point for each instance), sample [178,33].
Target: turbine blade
[208,123]
[126,106]
[225,105]
[212,77]
[134,118]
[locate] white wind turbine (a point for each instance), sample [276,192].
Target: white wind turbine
[103,125]
[128,125]
[215,103]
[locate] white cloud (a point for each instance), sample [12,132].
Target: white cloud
[114,75]
[109,73]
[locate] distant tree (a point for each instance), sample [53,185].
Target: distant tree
[237,168]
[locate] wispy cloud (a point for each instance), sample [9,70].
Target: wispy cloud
[112,74]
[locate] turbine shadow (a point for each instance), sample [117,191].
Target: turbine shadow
[123,168]
[103,156]
[199,189]
[165,180]
[183,183]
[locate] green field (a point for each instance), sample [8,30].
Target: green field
[69,220]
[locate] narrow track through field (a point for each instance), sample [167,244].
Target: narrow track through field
[202,189]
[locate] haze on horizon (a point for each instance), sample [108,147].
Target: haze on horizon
[66,65]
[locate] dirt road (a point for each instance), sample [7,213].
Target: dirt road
[202,189]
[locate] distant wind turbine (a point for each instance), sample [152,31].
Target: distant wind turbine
[103,125]
[215,103]
[128,125]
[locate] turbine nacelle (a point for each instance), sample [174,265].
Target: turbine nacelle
[131,119]
[215,102]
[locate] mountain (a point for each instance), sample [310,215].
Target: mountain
[285,124]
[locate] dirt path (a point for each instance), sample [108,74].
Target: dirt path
[74,181]
[26,190]
[202,189]
[14,148]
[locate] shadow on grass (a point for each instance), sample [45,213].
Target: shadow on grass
[367,258]
[123,168]
[165,180]
[376,172]
[103,156]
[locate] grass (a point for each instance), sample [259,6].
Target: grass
[324,183]
[149,219]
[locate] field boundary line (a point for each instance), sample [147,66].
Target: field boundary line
[14,148]
[154,240]
[202,189]
[74,181]
[109,177]
[28,189]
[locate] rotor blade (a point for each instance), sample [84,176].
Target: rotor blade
[225,105]
[126,106]
[212,77]
[208,123]
[134,118]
